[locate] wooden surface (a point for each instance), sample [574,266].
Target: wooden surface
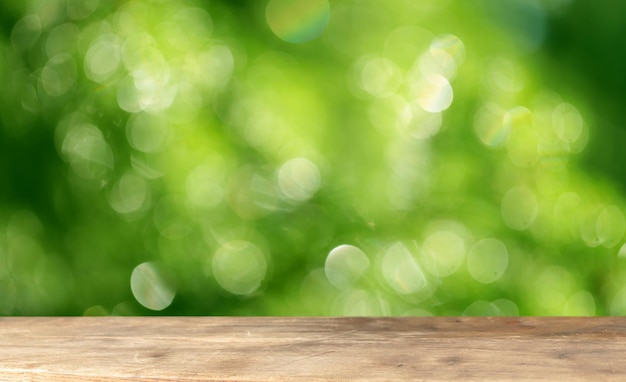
[311,349]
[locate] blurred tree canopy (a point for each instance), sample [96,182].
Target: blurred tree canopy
[311,157]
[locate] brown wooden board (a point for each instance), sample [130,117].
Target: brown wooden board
[311,349]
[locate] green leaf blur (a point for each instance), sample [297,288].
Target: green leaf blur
[310,157]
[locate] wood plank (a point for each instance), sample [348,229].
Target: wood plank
[311,349]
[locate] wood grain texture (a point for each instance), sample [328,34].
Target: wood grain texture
[311,349]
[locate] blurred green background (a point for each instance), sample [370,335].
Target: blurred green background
[312,157]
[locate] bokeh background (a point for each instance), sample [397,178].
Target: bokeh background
[312,157]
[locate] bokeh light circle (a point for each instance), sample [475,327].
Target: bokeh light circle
[401,271]
[150,286]
[299,179]
[102,59]
[490,126]
[81,9]
[62,39]
[345,264]
[59,74]
[26,32]
[380,77]
[444,252]
[147,132]
[567,122]
[239,267]
[129,194]
[297,21]
[89,154]
[205,185]
[487,260]
[522,139]
[519,208]
[610,226]
[448,44]
[433,93]
[481,308]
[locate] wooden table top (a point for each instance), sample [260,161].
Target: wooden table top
[311,349]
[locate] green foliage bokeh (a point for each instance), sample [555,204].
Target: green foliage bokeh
[305,157]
